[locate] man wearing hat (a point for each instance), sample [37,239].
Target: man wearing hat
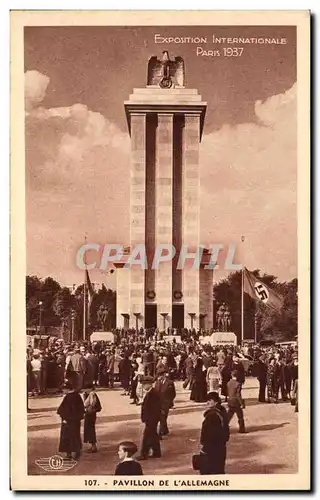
[239,368]
[235,401]
[214,436]
[77,367]
[262,369]
[167,392]
[150,416]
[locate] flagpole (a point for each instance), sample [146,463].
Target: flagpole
[256,323]
[242,296]
[85,298]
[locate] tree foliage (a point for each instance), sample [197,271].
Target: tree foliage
[43,291]
[268,324]
[59,305]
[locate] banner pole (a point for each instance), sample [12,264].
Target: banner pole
[242,295]
[84,299]
[242,305]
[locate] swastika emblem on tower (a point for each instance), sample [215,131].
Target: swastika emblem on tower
[262,292]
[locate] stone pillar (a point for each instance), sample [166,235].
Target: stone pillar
[191,215]
[206,296]
[123,293]
[164,167]
[137,213]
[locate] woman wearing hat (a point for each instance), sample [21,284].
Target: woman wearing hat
[199,388]
[213,377]
[71,412]
[214,437]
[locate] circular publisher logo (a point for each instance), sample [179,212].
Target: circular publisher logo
[56,462]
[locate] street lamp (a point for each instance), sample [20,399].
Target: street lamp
[73,316]
[40,318]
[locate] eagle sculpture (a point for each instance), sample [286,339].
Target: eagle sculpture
[166,73]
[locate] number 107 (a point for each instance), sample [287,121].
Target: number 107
[232,52]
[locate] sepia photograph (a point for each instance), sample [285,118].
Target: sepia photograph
[160,235]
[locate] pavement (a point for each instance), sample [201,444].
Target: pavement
[270,445]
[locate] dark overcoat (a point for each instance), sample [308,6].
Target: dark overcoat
[71,412]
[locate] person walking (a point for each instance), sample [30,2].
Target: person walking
[220,359]
[71,411]
[271,381]
[213,378]
[225,377]
[235,402]
[36,366]
[214,437]
[77,368]
[166,389]
[262,368]
[93,367]
[109,368]
[150,416]
[189,371]
[92,406]
[199,387]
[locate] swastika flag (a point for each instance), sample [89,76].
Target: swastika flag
[261,292]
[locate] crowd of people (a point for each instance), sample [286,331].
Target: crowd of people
[147,367]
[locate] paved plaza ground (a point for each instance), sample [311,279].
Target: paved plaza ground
[269,447]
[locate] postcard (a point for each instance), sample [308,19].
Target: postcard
[160,250]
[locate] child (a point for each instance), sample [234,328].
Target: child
[128,466]
[92,406]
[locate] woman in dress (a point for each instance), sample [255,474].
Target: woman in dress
[71,412]
[271,380]
[125,373]
[92,406]
[199,387]
[213,378]
[225,377]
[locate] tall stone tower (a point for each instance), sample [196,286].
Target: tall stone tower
[165,122]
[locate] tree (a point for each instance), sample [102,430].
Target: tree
[38,290]
[269,323]
[282,326]
[33,295]
[64,303]
[49,289]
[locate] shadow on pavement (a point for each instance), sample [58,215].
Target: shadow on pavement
[267,427]
[245,453]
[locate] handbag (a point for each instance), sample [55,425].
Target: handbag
[199,460]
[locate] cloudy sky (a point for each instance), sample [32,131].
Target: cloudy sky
[78,152]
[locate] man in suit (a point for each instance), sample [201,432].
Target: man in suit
[235,402]
[214,436]
[261,369]
[145,359]
[150,416]
[189,370]
[109,368]
[93,366]
[77,368]
[239,368]
[167,392]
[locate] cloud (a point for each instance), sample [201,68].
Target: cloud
[249,177]
[35,88]
[78,174]
[77,171]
